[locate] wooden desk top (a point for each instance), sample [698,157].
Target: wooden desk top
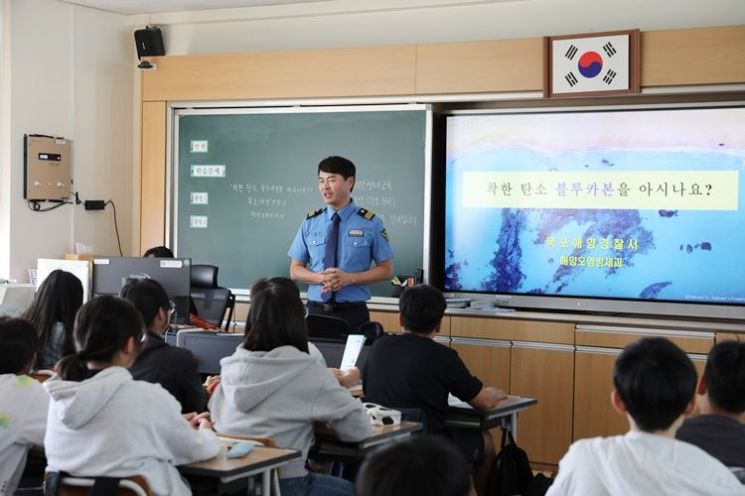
[507,406]
[259,459]
[328,444]
[468,417]
[323,433]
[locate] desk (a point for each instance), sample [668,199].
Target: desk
[328,444]
[464,416]
[233,474]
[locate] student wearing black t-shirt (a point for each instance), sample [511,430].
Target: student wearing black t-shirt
[173,368]
[718,429]
[412,370]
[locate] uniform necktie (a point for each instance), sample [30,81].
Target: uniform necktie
[332,242]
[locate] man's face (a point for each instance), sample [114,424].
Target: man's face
[334,189]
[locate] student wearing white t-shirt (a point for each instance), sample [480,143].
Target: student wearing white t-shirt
[23,402]
[104,423]
[654,384]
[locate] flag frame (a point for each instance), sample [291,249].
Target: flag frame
[634,68]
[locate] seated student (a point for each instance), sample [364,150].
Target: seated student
[718,429]
[173,368]
[654,384]
[419,465]
[104,423]
[346,378]
[53,313]
[412,370]
[23,402]
[158,252]
[272,387]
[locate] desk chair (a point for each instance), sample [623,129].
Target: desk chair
[211,301]
[372,331]
[65,485]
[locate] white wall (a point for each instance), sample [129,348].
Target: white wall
[69,72]
[4,133]
[352,23]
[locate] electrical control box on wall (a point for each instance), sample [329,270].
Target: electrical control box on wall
[47,167]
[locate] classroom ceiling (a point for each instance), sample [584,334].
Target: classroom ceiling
[132,7]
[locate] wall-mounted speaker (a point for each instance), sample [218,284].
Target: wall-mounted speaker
[149,42]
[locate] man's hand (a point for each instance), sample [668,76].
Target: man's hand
[335,279]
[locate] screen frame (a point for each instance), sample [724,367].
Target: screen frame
[586,304]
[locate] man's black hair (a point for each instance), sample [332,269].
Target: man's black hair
[159,252]
[656,381]
[422,308]
[19,344]
[725,376]
[337,165]
[418,465]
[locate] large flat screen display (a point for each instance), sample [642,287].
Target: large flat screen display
[633,211]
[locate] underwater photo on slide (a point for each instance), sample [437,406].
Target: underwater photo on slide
[643,204]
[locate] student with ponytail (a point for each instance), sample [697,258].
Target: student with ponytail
[104,423]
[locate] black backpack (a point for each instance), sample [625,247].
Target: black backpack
[511,473]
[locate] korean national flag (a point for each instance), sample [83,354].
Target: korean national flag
[590,64]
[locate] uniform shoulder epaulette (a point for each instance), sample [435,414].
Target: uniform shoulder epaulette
[315,213]
[367,214]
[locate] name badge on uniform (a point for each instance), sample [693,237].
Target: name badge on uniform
[356,232]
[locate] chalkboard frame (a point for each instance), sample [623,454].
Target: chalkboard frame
[178,109]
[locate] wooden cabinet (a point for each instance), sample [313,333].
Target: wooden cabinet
[388,319]
[489,360]
[545,372]
[593,382]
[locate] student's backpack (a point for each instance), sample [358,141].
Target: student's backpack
[511,474]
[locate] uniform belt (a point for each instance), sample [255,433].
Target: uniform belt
[331,306]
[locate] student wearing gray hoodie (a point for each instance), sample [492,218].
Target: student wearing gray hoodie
[102,422]
[272,387]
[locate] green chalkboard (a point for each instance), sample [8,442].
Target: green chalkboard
[246,178]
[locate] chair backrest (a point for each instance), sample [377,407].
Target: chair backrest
[204,276]
[326,327]
[83,486]
[372,331]
[210,300]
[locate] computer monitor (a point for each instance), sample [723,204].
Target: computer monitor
[15,298]
[174,274]
[79,268]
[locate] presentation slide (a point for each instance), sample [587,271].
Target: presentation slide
[642,204]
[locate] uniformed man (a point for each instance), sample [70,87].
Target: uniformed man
[335,246]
